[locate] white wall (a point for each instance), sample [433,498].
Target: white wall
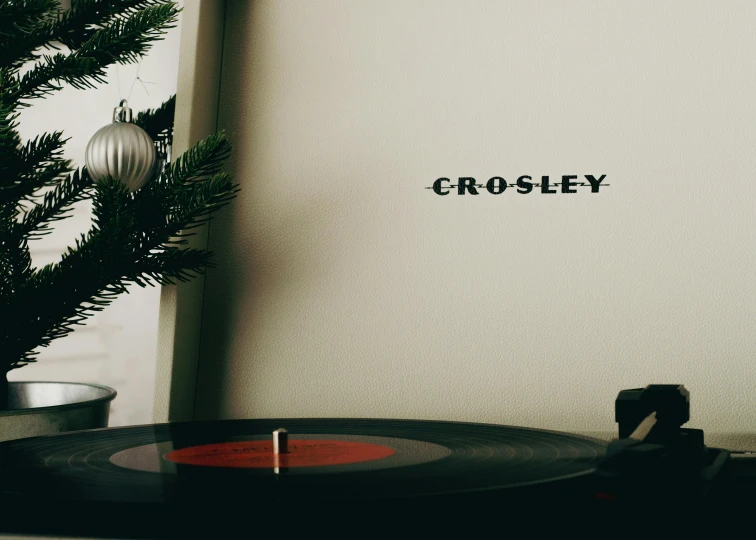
[345,288]
[117,346]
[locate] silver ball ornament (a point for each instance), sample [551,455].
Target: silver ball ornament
[122,150]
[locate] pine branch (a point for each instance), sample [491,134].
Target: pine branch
[85,17]
[202,160]
[158,123]
[88,277]
[56,204]
[35,165]
[160,202]
[198,202]
[26,186]
[127,244]
[112,201]
[124,41]
[15,264]
[135,237]
[25,17]
[127,38]
[164,268]
[42,149]
[183,197]
[170,266]
[9,138]
[21,267]
[24,26]
[47,321]
[40,23]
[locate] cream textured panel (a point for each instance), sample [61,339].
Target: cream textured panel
[345,288]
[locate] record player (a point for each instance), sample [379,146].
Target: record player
[346,475]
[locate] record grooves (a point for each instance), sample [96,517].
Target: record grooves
[357,467]
[357,477]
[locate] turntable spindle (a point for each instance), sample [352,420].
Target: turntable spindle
[280,441]
[280,446]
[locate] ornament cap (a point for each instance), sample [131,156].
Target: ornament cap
[122,113]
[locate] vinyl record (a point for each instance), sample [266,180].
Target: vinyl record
[365,466]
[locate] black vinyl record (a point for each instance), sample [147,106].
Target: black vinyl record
[335,467]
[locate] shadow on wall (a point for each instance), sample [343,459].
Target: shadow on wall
[256,268]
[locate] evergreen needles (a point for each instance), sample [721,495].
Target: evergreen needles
[135,237]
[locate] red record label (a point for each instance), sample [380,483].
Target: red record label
[259,454]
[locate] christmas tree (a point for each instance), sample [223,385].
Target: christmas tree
[136,237]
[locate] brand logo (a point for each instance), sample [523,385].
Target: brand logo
[525,184]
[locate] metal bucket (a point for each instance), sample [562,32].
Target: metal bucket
[44,408]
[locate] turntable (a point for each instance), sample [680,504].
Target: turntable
[198,479]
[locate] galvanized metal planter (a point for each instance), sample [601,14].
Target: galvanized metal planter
[44,408]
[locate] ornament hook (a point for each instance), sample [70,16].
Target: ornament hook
[122,113]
